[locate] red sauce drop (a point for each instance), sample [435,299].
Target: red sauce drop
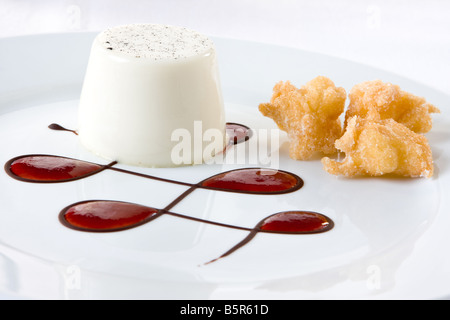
[51,168]
[55,126]
[254,181]
[106,215]
[296,222]
[237,133]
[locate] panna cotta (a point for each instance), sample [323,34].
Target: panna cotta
[152,97]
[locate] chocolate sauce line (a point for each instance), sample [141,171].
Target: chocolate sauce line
[215,223]
[199,185]
[58,127]
[143,175]
[55,126]
[254,231]
[103,167]
[111,166]
[156,213]
[184,195]
[237,246]
[180,198]
[159,213]
[234,141]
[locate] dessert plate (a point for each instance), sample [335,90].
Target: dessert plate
[389,235]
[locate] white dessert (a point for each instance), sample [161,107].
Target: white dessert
[146,87]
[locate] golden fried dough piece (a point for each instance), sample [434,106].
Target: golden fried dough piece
[377,100]
[309,115]
[378,147]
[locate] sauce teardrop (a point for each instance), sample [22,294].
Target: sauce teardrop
[105,215]
[296,222]
[44,168]
[254,180]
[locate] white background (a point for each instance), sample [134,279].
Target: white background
[410,38]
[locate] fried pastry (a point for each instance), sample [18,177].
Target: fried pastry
[378,147]
[309,115]
[377,100]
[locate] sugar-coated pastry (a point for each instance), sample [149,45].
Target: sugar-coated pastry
[309,115]
[378,147]
[379,100]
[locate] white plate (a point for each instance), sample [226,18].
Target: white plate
[390,238]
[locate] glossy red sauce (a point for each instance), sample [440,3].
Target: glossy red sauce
[296,222]
[51,168]
[106,215]
[254,180]
[109,215]
[237,133]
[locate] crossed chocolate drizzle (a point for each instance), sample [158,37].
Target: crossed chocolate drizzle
[111,216]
